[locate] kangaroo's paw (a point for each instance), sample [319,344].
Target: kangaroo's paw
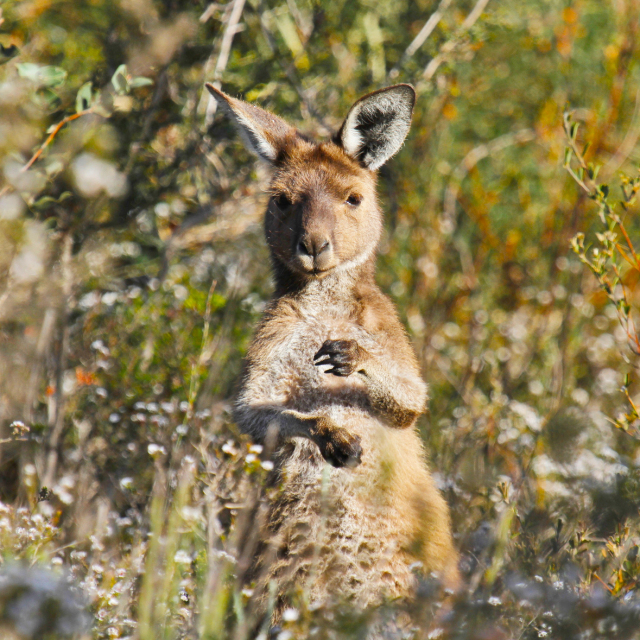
[337,446]
[345,357]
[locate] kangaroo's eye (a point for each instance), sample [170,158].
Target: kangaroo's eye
[354,200]
[283,203]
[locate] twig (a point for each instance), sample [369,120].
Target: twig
[57,419]
[206,351]
[421,38]
[449,46]
[53,134]
[603,583]
[222,60]
[291,74]
[44,339]
[46,143]
[628,241]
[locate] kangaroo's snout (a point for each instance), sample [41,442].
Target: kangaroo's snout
[315,252]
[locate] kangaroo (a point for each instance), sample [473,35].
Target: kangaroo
[331,377]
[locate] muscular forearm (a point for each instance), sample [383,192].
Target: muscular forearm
[397,396]
[269,424]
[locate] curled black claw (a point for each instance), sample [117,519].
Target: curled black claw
[340,452]
[342,355]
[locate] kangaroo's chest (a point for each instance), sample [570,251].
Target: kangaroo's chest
[310,384]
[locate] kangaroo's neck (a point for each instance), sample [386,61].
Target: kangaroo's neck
[340,287]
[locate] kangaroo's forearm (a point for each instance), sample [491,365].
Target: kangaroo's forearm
[271,425]
[400,399]
[263,422]
[394,387]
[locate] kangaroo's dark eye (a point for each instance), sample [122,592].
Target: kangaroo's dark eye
[354,200]
[283,203]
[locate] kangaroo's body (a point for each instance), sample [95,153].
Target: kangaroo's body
[331,376]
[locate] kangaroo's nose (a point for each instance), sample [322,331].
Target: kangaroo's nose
[313,246]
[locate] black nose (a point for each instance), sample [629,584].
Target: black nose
[313,247]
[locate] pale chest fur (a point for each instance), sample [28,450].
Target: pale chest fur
[295,382]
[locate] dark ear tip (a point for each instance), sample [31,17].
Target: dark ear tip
[215,92]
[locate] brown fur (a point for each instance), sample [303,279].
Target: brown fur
[332,374]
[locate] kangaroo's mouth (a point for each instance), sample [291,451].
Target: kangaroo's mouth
[317,267]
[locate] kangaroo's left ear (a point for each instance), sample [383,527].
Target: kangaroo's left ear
[263,133]
[377,125]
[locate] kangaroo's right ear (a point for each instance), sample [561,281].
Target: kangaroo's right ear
[262,133]
[377,125]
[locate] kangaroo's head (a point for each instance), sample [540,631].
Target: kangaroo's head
[323,215]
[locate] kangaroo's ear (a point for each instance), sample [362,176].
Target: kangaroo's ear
[377,125]
[262,133]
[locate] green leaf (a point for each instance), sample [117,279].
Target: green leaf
[119,80]
[53,76]
[29,71]
[573,131]
[47,98]
[42,76]
[46,201]
[140,81]
[102,104]
[83,97]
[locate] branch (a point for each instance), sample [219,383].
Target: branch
[290,71]
[449,46]
[53,134]
[421,38]
[223,59]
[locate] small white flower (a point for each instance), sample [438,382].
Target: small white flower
[156,450]
[228,447]
[290,615]
[182,557]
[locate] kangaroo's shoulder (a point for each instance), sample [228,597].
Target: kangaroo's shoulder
[376,311]
[277,320]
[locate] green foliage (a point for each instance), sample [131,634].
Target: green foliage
[133,271]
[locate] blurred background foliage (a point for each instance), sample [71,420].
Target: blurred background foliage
[133,270]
